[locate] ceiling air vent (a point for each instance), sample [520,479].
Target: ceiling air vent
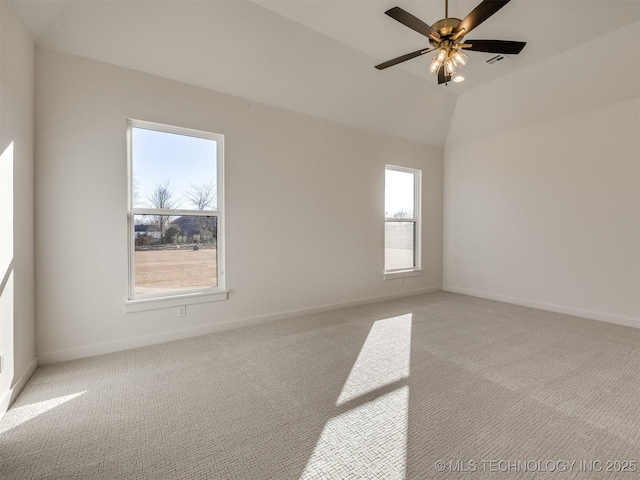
[497,59]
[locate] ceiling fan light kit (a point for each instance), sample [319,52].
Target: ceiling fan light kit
[445,37]
[451,57]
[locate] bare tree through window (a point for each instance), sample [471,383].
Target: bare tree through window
[162,198]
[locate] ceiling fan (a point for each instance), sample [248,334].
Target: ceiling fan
[446,37]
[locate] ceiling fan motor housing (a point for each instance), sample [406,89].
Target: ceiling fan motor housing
[445,28]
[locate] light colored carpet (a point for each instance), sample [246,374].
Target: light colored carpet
[379,391]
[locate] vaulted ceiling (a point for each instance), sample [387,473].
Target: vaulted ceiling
[317,57]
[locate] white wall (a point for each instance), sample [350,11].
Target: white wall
[243,49]
[16,206]
[542,184]
[304,204]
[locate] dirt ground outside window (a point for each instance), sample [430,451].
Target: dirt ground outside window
[184,268]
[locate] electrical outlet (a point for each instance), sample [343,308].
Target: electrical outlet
[182,311]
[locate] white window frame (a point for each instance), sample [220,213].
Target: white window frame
[136,303]
[416,220]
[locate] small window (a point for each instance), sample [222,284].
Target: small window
[175,211]
[402,221]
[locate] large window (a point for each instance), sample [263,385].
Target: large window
[402,221]
[175,214]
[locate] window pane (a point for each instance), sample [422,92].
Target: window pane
[399,195]
[173,171]
[175,253]
[399,245]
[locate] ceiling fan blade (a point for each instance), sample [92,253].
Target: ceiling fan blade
[442,78]
[495,46]
[404,58]
[479,14]
[412,22]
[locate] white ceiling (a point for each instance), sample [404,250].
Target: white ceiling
[316,57]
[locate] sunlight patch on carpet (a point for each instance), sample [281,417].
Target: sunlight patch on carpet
[370,439]
[20,415]
[383,359]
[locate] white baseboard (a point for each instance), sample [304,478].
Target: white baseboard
[604,317]
[45,358]
[18,385]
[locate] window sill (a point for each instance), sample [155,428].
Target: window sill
[131,306]
[416,272]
